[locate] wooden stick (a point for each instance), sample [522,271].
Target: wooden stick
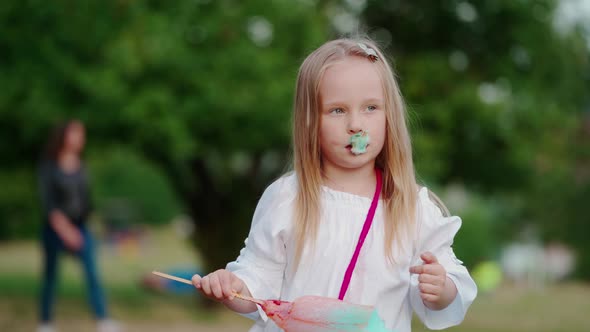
[167,276]
[239,296]
[248,298]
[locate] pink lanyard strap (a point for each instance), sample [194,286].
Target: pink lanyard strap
[359,245]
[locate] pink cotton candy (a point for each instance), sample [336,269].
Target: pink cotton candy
[317,314]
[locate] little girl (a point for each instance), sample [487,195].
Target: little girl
[350,222]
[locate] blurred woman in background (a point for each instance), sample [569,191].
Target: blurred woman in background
[66,205]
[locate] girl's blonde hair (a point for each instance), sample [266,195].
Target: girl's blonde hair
[399,191]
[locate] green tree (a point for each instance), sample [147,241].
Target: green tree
[203,89]
[498,95]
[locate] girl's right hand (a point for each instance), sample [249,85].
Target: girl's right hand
[219,285]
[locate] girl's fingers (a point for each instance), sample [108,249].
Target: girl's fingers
[196,280]
[205,287]
[429,289]
[429,297]
[431,279]
[434,269]
[219,285]
[426,268]
[237,284]
[226,285]
[418,269]
[216,286]
[429,258]
[431,269]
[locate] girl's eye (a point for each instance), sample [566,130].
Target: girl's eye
[371,108]
[337,111]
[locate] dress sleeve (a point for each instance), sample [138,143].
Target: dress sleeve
[261,263]
[435,234]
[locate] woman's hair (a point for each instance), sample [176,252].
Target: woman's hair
[57,139]
[399,191]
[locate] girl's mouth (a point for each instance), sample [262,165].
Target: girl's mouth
[349,147]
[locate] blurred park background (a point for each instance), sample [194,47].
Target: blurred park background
[187,106]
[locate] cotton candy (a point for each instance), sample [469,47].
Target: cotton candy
[359,142]
[322,314]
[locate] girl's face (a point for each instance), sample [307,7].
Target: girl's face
[351,100]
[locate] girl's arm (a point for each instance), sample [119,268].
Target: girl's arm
[262,262]
[441,289]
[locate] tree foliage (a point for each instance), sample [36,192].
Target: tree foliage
[201,91]
[500,104]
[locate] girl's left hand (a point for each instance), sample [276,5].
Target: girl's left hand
[436,290]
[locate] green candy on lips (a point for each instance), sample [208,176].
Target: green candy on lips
[359,142]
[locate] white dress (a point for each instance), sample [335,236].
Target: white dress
[264,262]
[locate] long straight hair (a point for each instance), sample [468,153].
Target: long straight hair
[57,139]
[399,190]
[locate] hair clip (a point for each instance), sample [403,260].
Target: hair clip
[369,51]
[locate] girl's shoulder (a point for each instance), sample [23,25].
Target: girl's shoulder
[430,203]
[432,214]
[286,183]
[282,190]
[276,203]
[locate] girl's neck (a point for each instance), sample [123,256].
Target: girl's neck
[68,161]
[359,181]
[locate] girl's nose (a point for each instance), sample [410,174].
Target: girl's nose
[354,124]
[354,131]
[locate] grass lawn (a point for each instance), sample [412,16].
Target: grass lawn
[563,307]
